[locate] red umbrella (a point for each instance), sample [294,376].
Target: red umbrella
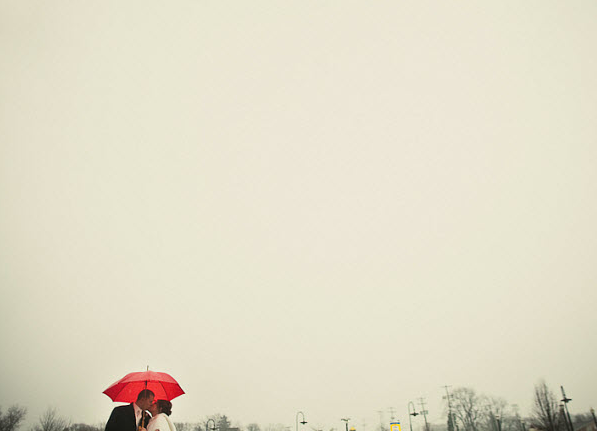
[127,389]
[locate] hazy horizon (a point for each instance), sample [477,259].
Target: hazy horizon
[368,420]
[330,207]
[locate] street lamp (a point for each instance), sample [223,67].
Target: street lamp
[346,420]
[303,420]
[414,413]
[566,400]
[214,427]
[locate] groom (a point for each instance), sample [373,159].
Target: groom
[129,417]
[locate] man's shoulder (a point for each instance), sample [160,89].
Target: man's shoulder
[124,408]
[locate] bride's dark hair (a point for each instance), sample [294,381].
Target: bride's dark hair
[164,406]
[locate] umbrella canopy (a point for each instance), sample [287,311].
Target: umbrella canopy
[127,389]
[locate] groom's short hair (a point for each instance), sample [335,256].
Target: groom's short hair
[145,394]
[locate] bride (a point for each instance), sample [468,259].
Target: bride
[161,409]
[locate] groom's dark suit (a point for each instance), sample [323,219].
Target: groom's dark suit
[122,418]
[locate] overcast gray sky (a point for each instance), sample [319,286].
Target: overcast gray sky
[328,206]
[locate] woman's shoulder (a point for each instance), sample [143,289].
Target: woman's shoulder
[156,422]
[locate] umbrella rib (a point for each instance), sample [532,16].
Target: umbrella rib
[118,394]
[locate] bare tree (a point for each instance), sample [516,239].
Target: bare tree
[253,427]
[469,408]
[51,421]
[275,427]
[223,422]
[86,427]
[545,414]
[495,412]
[513,421]
[13,418]
[186,426]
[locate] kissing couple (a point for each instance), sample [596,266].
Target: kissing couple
[134,416]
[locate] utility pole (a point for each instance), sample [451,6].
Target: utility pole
[452,419]
[424,413]
[413,413]
[381,428]
[492,418]
[519,421]
[566,400]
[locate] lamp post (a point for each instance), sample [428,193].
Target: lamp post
[346,420]
[563,416]
[566,400]
[214,427]
[303,420]
[414,413]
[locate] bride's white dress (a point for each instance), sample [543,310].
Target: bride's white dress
[161,422]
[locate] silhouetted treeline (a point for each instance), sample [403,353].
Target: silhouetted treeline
[465,410]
